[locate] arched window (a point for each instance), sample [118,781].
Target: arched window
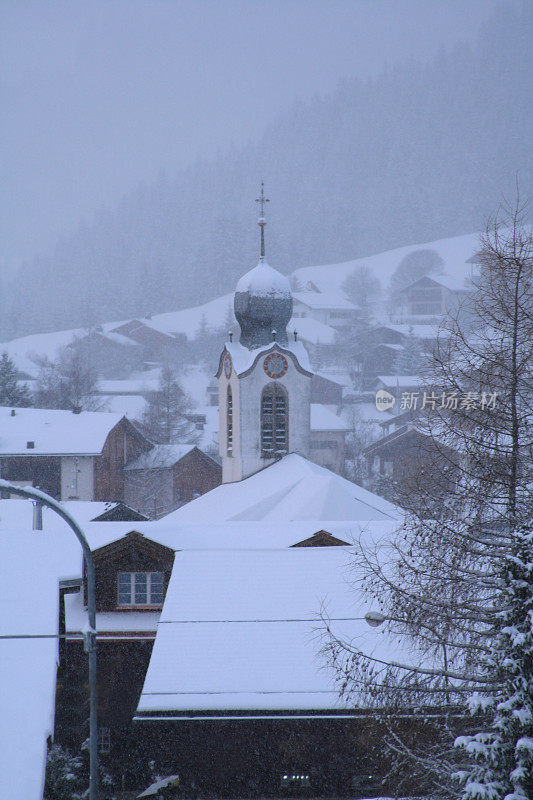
[229,423]
[274,421]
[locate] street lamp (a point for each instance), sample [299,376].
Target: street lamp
[89,635]
[375,618]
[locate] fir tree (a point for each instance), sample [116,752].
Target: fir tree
[362,288]
[12,393]
[165,415]
[64,775]
[412,358]
[503,752]
[455,583]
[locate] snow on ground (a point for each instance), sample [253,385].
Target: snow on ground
[256,641]
[21,350]
[454,251]
[188,320]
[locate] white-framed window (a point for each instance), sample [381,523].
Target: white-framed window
[140,588]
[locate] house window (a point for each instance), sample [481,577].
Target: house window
[140,588]
[274,421]
[229,432]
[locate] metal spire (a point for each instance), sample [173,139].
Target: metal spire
[262,221]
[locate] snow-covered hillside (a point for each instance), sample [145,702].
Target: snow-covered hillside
[454,252]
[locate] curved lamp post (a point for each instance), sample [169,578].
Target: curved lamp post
[89,635]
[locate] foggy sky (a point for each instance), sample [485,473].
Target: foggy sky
[98,96]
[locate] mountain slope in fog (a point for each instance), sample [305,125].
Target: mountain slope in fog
[454,253]
[422,152]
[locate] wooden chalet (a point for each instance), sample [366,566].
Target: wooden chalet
[132,576]
[416,463]
[157,345]
[168,476]
[70,456]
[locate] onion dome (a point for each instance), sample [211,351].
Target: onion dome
[263,306]
[263,299]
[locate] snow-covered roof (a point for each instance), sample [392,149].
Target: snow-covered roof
[242,358]
[400,380]
[190,534]
[255,641]
[109,621]
[17,514]
[323,419]
[127,405]
[291,489]
[324,300]
[312,331]
[118,338]
[454,283]
[54,432]
[160,457]
[130,386]
[264,281]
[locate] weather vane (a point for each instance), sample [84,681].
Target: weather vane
[262,221]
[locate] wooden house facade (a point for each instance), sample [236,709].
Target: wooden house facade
[169,476]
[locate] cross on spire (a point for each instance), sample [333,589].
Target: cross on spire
[262,221]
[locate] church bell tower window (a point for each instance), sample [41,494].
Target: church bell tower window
[274,421]
[229,430]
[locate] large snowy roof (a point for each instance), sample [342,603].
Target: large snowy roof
[291,489]
[53,432]
[191,534]
[241,631]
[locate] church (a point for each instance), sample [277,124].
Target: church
[264,380]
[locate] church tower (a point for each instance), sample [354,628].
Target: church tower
[264,380]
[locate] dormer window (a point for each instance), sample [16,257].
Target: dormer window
[140,589]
